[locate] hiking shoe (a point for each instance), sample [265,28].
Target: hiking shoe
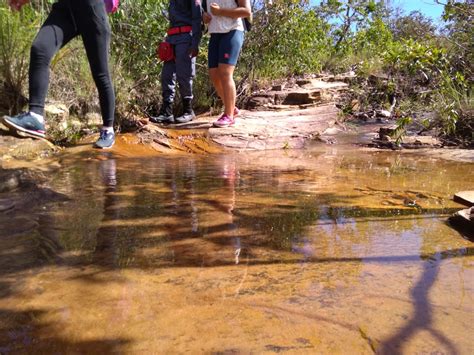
[224,121]
[106,140]
[188,113]
[236,111]
[186,117]
[26,123]
[162,118]
[165,115]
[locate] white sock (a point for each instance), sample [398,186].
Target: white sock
[108,129]
[38,117]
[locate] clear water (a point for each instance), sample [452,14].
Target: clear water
[328,250]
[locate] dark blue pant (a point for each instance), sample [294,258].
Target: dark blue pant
[182,69]
[69,19]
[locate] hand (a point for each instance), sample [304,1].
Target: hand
[215,9]
[193,52]
[17,4]
[206,18]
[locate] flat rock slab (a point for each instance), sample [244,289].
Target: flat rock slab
[254,130]
[265,130]
[465,198]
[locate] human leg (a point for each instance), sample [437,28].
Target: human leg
[213,63]
[57,30]
[229,50]
[95,32]
[168,87]
[185,72]
[226,75]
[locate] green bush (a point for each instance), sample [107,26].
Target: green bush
[17,30]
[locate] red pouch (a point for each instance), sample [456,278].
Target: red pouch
[166,52]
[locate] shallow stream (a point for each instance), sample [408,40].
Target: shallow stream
[326,250]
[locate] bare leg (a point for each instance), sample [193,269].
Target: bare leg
[225,73]
[216,81]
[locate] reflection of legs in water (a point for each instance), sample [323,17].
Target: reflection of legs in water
[106,252]
[108,169]
[230,175]
[191,176]
[183,194]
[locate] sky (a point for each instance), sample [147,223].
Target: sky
[427,7]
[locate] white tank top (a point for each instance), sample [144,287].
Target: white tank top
[223,24]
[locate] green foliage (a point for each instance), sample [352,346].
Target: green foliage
[137,27]
[349,17]
[411,57]
[399,132]
[287,38]
[414,26]
[16,33]
[454,104]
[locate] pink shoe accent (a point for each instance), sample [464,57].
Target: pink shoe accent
[236,111]
[224,121]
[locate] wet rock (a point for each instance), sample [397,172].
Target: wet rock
[15,147]
[465,197]
[463,222]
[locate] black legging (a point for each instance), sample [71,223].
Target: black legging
[68,19]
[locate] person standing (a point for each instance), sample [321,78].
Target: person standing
[67,20]
[184,35]
[227,36]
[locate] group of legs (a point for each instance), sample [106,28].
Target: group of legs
[224,50]
[88,19]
